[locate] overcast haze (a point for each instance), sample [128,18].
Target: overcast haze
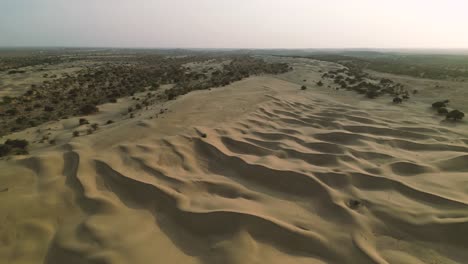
[235,24]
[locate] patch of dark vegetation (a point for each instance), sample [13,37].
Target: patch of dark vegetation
[455,115]
[12,63]
[442,111]
[352,78]
[14,147]
[441,107]
[397,100]
[303,87]
[15,71]
[83,121]
[116,77]
[6,100]
[88,109]
[440,104]
[239,68]
[354,204]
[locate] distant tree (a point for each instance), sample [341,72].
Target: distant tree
[442,111]
[455,115]
[88,109]
[439,104]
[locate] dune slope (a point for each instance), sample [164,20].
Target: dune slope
[258,172]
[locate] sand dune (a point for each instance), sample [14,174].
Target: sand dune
[258,172]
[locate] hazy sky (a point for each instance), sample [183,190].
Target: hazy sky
[236,23]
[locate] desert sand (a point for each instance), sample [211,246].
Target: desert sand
[255,172]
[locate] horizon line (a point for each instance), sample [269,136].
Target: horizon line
[231,48]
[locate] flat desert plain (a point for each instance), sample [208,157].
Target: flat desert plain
[258,171]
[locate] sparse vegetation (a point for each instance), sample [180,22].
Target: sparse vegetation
[354,79]
[14,147]
[114,77]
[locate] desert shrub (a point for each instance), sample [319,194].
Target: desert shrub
[113,100]
[20,120]
[83,121]
[14,147]
[4,150]
[76,133]
[455,115]
[303,87]
[12,111]
[7,99]
[171,96]
[320,83]
[88,109]
[17,143]
[15,71]
[48,108]
[439,104]
[372,94]
[343,84]
[442,111]
[385,81]
[354,204]
[138,106]
[94,126]
[17,151]
[109,122]
[397,100]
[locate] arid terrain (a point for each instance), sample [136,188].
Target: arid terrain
[218,157]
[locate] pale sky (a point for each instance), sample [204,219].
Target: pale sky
[235,23]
